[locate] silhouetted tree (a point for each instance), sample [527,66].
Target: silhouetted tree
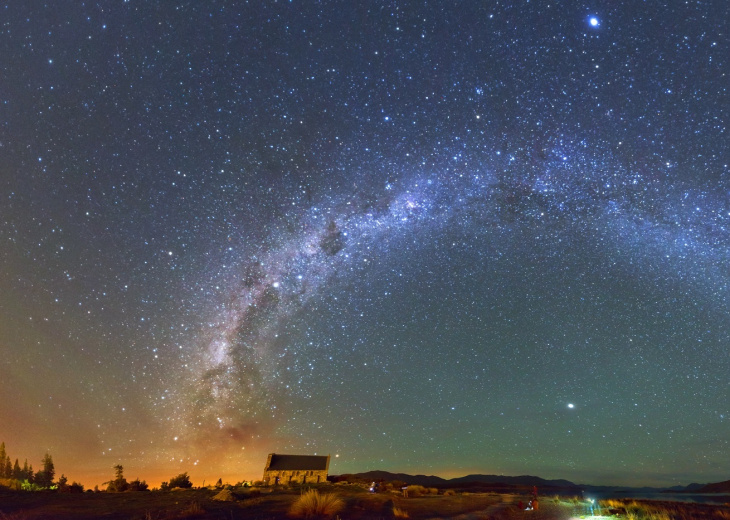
[17,472]
[75,487]
[44,477]
[31,476]
[63,484]
[119,484]
[3,455]
[8,468]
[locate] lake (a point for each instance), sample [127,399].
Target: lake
[699,498]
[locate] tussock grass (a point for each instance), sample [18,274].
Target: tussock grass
[313,504]
[414,490]
[639,510]
[224,495]
[399,513]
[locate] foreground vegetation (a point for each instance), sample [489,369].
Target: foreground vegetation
[343,501]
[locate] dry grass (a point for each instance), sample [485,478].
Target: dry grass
[414,490]
[356,504]
[193,510]
[313,504]
[642,510]
[224,495]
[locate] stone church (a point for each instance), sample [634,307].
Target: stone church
[300,469]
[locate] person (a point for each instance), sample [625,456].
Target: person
[535,504]
[405,491]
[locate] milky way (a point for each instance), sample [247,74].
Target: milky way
[570,204]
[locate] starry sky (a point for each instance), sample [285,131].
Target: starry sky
[426,237]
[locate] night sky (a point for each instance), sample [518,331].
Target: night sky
[425,237]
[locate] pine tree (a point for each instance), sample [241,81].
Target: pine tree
[47,473]
[25,471]
[17,472]
[2,460]
[31,475]
[8,468]
[120,483]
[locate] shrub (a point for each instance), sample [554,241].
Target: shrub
[138,485]
[414,490]
[449,493]
[11,483]
[399,513]
[312,504]
[181,481]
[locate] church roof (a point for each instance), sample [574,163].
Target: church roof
[298,462]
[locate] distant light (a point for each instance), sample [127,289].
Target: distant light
[594,21]
[571,405]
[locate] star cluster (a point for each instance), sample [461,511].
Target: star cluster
[484,238]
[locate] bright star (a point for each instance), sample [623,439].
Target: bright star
[594,21]
[571,405]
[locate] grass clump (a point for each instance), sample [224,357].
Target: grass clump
[224,495]
[313,504]
[414,490]
[399,513]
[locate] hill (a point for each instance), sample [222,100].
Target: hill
[505,482]
[477,480]
[717,487]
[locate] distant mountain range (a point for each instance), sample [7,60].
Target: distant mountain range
[495,480]
[524,481]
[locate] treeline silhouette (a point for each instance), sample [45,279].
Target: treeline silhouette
[16,477]
[13,476]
